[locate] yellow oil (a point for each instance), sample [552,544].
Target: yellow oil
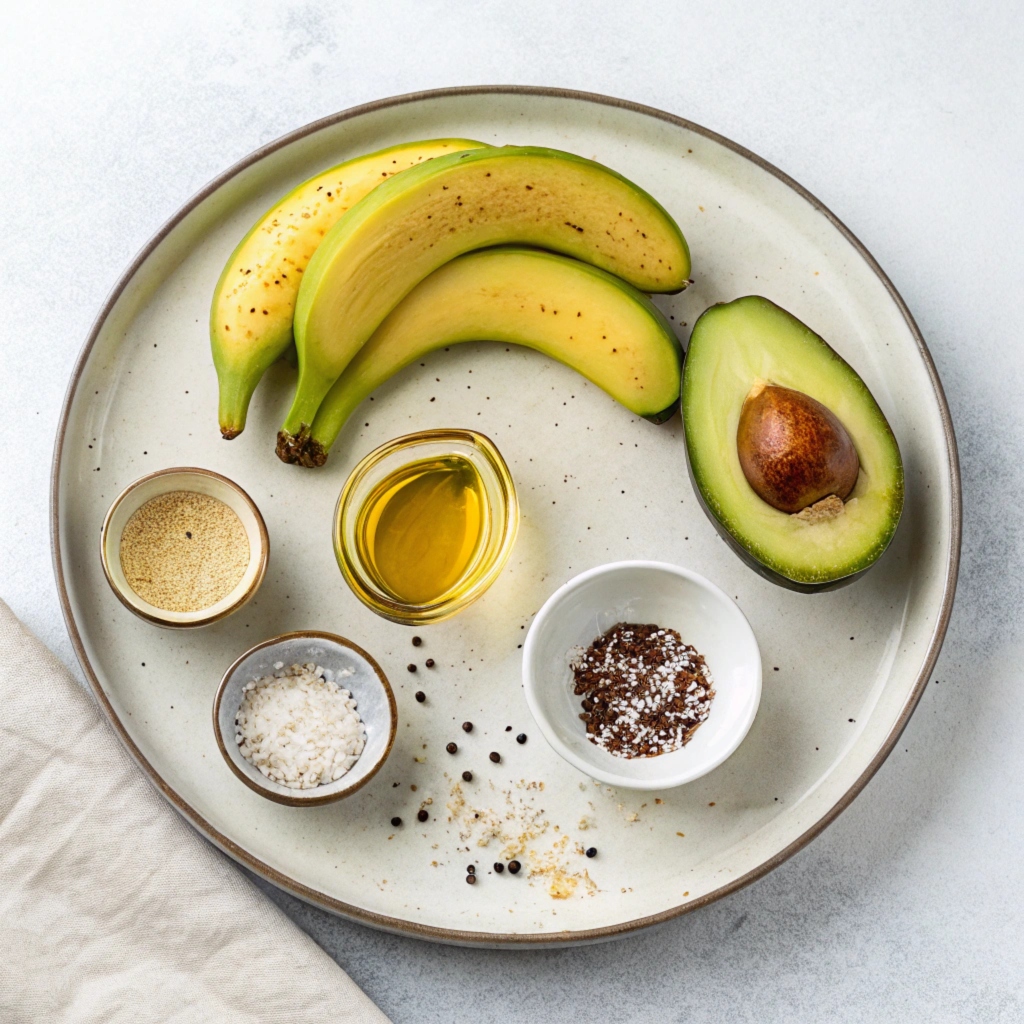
[420,529]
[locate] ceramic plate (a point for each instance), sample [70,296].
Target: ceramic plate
[842,671]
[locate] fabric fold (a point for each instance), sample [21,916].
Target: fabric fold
[111,907]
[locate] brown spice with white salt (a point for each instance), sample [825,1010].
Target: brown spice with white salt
[184,551]
[644,691]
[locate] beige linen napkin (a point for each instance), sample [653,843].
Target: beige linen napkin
[111,907]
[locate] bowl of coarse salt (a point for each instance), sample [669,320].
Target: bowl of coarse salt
[305,718]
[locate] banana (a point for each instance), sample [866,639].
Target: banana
[590,320]
[254,301]
[424,217]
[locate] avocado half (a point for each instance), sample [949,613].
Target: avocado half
[734,347]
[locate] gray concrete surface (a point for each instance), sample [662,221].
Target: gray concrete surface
[907,119]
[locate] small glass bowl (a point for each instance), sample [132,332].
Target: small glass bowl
[501,520]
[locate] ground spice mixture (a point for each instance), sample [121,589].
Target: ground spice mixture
[644,691]
[183,551]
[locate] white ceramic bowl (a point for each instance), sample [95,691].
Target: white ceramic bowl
[642,592]
[375,703]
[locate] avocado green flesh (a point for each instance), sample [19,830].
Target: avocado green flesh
[430,214]
[254,301]
[732,347]
[595,323]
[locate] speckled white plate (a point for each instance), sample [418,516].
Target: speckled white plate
[842,671]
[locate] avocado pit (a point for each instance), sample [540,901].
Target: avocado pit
[795,452]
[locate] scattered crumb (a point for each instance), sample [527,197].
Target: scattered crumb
[510,817]
[519,822]
[553,868]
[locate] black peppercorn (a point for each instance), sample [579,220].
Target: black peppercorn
[411,668]
[467,726]
[592,852]
[471,869]
[498,867]
[521,738]
[471,879]
[494,756]
[416,641]
[422,815]
[467,776]
[396,821]
[513,867]
[452,747]
[429,662]
[421,696]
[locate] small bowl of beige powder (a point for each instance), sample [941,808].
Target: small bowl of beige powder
[184,547]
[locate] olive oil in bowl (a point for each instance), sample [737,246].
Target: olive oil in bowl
[419,530]
[425,523]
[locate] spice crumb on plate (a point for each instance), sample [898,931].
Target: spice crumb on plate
[513,818]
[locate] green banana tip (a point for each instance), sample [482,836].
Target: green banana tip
[231,422]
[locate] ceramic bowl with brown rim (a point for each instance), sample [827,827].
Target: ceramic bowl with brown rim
[198,481]
[352,668]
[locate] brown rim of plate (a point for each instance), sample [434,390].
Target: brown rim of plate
[327,798]
[243,598]
[452,935]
